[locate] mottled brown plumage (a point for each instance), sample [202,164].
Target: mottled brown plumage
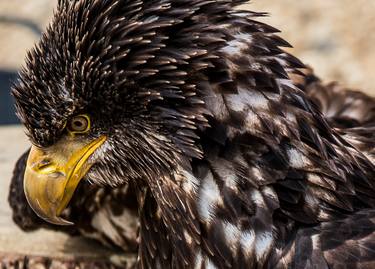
[321,94]
[350,112]
[233,164]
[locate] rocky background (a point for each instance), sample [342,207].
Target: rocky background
[335,37]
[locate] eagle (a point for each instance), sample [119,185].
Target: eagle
[192,108]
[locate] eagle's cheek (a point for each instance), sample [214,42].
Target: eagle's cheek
[52,175]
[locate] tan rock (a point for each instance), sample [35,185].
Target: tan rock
[335,37]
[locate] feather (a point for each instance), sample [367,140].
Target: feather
[235,162]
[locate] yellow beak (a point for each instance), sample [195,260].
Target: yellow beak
[52,175]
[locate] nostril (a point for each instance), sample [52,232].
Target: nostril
[46,166]
[44,163]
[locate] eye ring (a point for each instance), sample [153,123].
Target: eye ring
[79,124]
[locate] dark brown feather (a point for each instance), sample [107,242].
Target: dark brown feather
[231,158]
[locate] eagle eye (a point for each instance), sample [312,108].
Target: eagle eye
[79,124]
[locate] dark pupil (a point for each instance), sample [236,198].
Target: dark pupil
[79,124]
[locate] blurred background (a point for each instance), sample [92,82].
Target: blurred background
[335,37]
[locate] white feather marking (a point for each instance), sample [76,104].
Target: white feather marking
[315,241]
[246,97]
[369,156]
[209,197]
[297,159]
[268,191]
[257,198]
[257,173]
[232,234]
[252,121]
[244,37]
[242,14]
[323,215]
[188,238]
[247,241]
[198,261]
[226,171]
[209,264]
[311,200]
[190,182]
[263,244]
[291,117]
[235,47]
[288,83]
[101,222]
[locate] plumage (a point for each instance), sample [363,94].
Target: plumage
[350,112]
[233,164]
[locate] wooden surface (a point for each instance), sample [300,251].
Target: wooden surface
[40,249]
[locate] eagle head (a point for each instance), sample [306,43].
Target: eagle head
[114,92]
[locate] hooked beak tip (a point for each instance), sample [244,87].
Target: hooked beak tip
[52,175]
